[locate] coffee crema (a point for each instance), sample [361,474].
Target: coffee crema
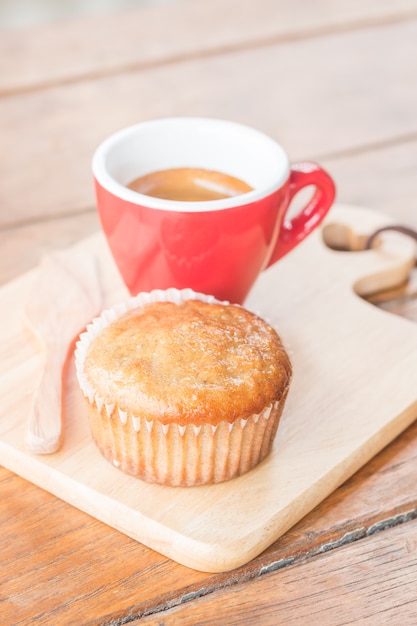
[189,184]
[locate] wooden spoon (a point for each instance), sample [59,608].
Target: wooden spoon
[66,297]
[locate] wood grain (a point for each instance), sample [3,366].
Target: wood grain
[87,48]
[58,565]
[350,71]
[376,583]
[21,248]
[388,170]
[138,579]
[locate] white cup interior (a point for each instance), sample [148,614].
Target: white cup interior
[211,144]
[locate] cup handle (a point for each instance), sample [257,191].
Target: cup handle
[295,230]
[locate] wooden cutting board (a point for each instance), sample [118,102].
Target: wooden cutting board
[354,390]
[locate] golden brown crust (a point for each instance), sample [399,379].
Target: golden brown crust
[192,363]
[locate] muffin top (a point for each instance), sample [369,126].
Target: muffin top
[192,362]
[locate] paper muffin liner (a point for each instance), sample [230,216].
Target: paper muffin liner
[172,454]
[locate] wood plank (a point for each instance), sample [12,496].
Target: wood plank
[55,153]
[65,542]
[94,46]
[383,178]
[372,581]
[22,248]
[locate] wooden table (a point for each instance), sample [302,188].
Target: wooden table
[334,82]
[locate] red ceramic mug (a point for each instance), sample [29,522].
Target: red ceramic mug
[217,247]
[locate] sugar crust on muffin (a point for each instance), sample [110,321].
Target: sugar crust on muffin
[189,363]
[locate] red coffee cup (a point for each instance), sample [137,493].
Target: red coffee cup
[217,247]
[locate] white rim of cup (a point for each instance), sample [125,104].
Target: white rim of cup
[277,178]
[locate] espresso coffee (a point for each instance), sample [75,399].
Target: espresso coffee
[189,184]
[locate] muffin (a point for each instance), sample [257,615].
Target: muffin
[182,389]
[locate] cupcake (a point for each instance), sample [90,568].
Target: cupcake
[182,389]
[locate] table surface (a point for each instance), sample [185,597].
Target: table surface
[334,82]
